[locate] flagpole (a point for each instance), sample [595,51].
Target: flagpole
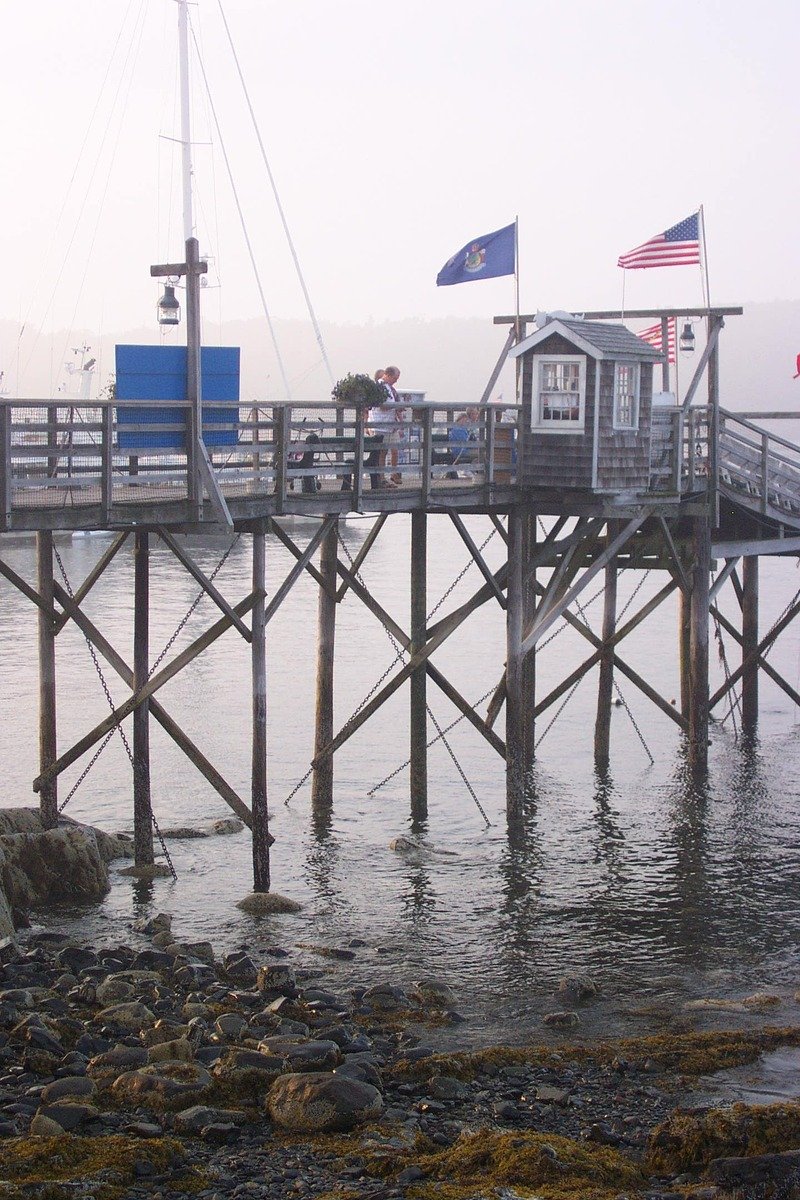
[518,363]
[516,267]
[622,311]
[704,264]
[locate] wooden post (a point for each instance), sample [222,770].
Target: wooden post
[322,784]
[419,709]
[515,745]
[698,645]
[528,681]
[750,642]
[142,802]
[684,650]
[262,839]
[605,686]
[48,751]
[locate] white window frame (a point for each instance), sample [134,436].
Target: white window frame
[558,427]
[637,377]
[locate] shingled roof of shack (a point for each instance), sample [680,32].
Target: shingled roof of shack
[596,339]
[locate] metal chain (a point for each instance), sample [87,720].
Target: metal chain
[558,713]
[192,608]
[456,721]
[627,708]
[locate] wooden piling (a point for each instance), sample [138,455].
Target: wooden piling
[515,743]
[605,686]
[750,643]
[698,647]
[684,650]
[418,680]
[142,800]
[48,751]
[262,839]
[322,782]
[528,682]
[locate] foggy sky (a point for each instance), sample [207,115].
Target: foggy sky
[395,134]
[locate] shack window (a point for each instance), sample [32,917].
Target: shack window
[561,393]
[626,396]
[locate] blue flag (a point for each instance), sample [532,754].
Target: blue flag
[483,258]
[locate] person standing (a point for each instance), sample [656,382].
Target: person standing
[381,422]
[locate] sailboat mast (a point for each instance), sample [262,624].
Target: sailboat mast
[186,137]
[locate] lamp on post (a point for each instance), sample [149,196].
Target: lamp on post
[686,341]
[168,309]
[198,464]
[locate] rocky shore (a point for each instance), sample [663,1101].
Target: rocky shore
[153,1068]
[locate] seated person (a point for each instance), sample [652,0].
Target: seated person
[461,436]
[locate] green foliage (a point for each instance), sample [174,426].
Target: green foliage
[357,391]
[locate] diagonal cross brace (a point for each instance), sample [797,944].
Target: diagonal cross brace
[443,630]
[537,630]
[153,684]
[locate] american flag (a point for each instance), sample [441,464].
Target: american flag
[676,247]
[652,335]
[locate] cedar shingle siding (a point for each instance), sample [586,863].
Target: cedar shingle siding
[565,460]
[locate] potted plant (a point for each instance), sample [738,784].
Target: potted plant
[358,391]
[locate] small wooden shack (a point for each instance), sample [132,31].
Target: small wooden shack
[587,393]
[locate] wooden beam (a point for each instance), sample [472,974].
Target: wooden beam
[91,579]
[496,701]
[418,715]
[434,673]
[741,549]
[262,838]
[698,645]
[683,578]
[750,643]
[48,746]
[303,564]
[499,526]
[723,577]
[762,663]
[366,546]
[515,750]
[322,782]
[495,375]
[205,583]
[444,629]
[285,540]
[605,685]
[616,314]
[153,684]
[533,636]
[30,593]
[705,357]
[763,645]
[478,558]
[170,726]
[142,803]
[466,709]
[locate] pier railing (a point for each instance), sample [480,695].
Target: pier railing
[116,454]
[757,467]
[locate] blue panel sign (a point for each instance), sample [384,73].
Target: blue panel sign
[156,375]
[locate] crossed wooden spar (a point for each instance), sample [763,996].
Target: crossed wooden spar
[586,546]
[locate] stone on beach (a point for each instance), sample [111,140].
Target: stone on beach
[561,1020]
[322,1102]
[166,1084]
[259,903]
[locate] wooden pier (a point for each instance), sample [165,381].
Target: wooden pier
[589,474]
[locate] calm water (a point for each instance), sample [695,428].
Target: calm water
[658,889]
